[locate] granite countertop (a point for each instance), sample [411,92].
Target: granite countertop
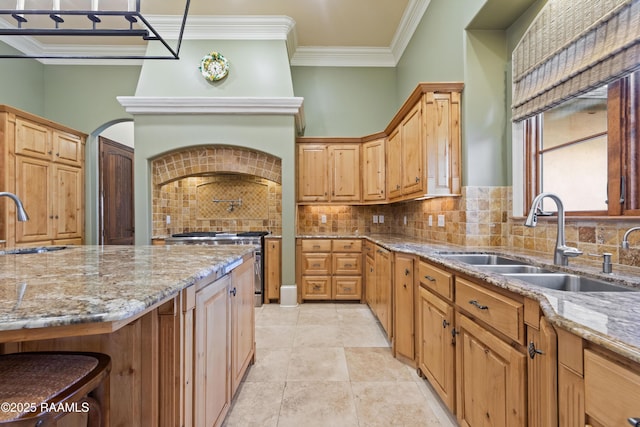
[84,284]
[610,319]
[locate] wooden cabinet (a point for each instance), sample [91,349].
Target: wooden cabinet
[272,269]
[330,269]
[436,333]
[403,308]
[329,172]
[379,288]
[394,164]
[412,152]
[373,170]
[491,367]
[242,321]
[45,168]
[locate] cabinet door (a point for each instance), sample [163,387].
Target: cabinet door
[542,375]
[242,322]
[316,287]
[316,263]
[33,184]
[313,182]
[347,264]
[347,287]
[67,148]
[32,139]
[68,213]
[491,379]
[272,269]
[436,352]
[403,303]
[213,353]
[344,170]
[442,123]
[370,292]
[383,288]
[413,152]
[373,176]
[394,164]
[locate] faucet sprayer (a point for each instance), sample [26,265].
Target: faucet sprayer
[21,213]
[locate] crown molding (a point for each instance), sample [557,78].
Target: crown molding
[262,106]
[241,28]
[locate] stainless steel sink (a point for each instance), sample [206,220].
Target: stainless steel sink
[570,282]
[38,250]
[511,269]
[481,259]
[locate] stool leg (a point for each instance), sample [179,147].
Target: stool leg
[101,398]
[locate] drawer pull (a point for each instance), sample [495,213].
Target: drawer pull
[533,351]
[347,246]
[406,271]
[348,265]
[316,246]
[316,265]
[430,278]
[478,305]
[347,289]
[316,287]
[635,422]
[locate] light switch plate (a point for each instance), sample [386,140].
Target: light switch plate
[168,219]
[430,220]
[381,219]
[375,219]
[323,219]
[440,220]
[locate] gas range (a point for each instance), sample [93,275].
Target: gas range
[217,238]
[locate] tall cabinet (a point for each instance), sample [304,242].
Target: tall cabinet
[43,164]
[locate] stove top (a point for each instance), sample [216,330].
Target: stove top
[220,234]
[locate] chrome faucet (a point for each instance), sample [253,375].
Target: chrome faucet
[22,214]
[562,252]
[625,238]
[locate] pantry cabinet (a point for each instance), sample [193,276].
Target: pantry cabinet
[44,166]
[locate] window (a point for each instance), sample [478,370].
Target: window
[586,150]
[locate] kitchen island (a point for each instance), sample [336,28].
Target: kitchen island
[150,308]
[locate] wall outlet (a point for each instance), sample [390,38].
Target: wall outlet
[404,220]
[168,219]
[323,219]
[430,220]
[440,220]
[375,219]
[381,219]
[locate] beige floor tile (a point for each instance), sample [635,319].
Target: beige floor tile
[362,334]
[375,364]
[318,316]
[274,315]
[318,336]
[392,404]
[317,364]
[275,336]
[355,313]
[271,365]
[318,404]
[256,405]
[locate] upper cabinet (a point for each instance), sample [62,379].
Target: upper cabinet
[43,165]
[418,155]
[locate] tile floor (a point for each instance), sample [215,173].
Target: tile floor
[329,365]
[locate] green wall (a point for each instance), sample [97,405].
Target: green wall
[21,82]
[344,101]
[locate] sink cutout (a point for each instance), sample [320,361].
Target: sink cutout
[570,283]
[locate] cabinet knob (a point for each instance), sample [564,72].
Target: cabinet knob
[233,291]
[533,351]
[406,271]
[445,323]
[417,179]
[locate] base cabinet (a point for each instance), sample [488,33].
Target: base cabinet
[404,308]
[379,289]
[272,269]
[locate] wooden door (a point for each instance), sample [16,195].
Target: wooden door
[394,164]
[344,172]
[313,178]
[68,209]
[116,193]
[491,379]
[272,269]
[33,184]
[412,152]
[242,321]
[212,353]
[436,352]
[374,173]
[542,372]
[403,318]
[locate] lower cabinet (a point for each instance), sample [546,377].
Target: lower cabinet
[272,269]
[378,288]
[404,308]
[242,322]
[491,378]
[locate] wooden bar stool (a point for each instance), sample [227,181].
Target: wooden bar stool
[36,389]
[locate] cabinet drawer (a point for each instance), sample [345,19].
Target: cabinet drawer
[347,287]
[611,390]
[501,313]
[347,245]
[437,280]
[370,249]
[347,264]
[316,263]
[316,287]
[316,245]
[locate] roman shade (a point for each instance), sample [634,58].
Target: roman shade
[571,48]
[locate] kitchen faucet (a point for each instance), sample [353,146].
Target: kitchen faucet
[625,238]
[22,214]
[562,252]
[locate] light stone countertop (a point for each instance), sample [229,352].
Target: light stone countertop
[610,319]
[86,284]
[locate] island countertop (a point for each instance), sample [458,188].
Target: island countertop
[94,284]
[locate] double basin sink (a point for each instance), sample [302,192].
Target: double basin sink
[534,275]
